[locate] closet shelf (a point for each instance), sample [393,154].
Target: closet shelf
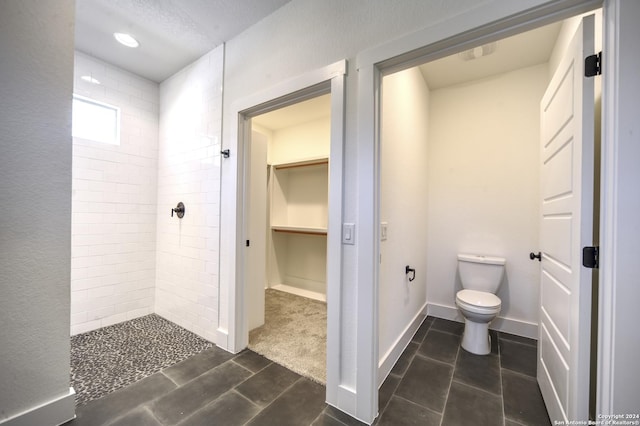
[300,230]
[302,163]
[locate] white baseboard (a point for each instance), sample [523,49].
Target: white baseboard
[222,339]
[389,359]
[300,292]
[517,327]
[53,413]
[503,324]
[346,400]
[445,312]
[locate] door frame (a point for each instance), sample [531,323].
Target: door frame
[233,333]
[449,37]
[617,370]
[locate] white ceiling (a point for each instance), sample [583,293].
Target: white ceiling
[172,33]
[522,50]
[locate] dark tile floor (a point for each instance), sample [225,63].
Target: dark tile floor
[433,383]
[110,358]
[436,382]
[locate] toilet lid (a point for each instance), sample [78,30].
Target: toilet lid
[479,298]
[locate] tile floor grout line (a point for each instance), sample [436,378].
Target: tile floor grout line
[232,390]
[401,376]
[425,332]
[251,372]
[168,377]
[504,417]
[419,405]
[199,375]
[381,411]
[148,410]
[515,421]
[274,399]
[444,332]
[329,415]
[533,345]
[453,372]
[518,373]
[476,388]
[436,360]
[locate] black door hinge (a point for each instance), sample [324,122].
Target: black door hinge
[593,65]
[247,243]
[590,257]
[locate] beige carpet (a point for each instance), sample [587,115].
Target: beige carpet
[294,334]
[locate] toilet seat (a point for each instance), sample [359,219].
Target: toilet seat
[480,302]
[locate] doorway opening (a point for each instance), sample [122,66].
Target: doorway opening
[329,80]
[287,218]
[475,148]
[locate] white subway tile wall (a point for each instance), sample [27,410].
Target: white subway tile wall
[114,203]
[186,290]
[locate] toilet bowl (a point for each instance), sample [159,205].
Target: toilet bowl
[481,277]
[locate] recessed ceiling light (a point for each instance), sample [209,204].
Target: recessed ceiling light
[126,39]
[90,79]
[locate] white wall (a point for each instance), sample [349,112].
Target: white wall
[403,205]
[300,142]
[189,171]
[484,184]
[114,203]
[36,49]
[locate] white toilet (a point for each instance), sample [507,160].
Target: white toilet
[481,277]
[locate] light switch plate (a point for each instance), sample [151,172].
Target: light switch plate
[348,233]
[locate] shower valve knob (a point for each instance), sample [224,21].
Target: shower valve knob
[179,210]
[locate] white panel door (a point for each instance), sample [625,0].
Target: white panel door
[256,267]
[566,156]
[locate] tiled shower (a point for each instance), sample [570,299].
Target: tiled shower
[129,256]
[114,203]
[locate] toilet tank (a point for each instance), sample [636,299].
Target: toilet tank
[482,273]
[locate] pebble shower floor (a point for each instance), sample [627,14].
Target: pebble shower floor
[113,357]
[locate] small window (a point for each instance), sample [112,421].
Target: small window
[95,121]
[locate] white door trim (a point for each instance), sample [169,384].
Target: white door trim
[233,331]
[619,339]
[505,18]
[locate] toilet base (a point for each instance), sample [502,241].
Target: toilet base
[476,337]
